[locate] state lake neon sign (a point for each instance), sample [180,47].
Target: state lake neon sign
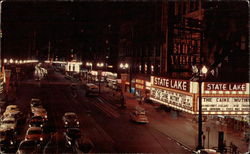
[182,85]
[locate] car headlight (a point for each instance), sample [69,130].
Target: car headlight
[41,125]
[41,139]
[77,122]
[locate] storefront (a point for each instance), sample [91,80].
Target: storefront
[112,80]
[140,88]
[73,66]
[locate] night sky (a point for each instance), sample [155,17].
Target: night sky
[28,27]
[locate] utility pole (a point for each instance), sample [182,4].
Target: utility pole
[49,51]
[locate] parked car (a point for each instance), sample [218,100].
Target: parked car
[41,112]
[12,108]
[18,115]
[8,123]
[36,121]
[34,133]
[35,104]
[28,146]
[70,119]
[139,115]
[7,140]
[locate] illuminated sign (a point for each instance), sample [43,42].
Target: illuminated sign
[225,86]
[138,86]
[139,81]
[176,99]
[182,85]
[225,104]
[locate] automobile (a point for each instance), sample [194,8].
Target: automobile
[206,151]
[36,121]
[71,135]
[12,108]
[28,146]
[92,89]
[70,119]
[34,133]
[35,104]
[8,123]
[139,115]
[41,112]
[7,140]
[18,115]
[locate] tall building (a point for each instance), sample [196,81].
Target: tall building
[166,38]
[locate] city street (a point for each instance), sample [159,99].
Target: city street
[107,126]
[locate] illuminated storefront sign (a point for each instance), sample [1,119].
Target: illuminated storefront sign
[182,85]
[175,99]
[213,86]
[225,104]
[139,84]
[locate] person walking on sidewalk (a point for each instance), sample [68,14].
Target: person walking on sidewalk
[122,100]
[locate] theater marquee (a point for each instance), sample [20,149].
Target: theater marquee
[218,98]
[172,92]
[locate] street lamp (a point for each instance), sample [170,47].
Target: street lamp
[89,64]
[99,65]
[200,72]
[126,66]
[5,61]
[11,61]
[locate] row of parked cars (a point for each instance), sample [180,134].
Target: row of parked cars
[10,121]
[35,135]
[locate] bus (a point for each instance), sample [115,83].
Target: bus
[92,89]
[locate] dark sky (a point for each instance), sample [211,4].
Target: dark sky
[29,26]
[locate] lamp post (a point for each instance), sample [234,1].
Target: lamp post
[126,66]
[89,64]
[200,72]
[99,65]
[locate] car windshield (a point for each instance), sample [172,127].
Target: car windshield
[38,118]
[28,145]
[8,122]
[32,132]
[36,104]
[71,116]
[74,133]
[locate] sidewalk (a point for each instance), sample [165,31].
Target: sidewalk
[180,127]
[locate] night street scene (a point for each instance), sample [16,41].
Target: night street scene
[124,76]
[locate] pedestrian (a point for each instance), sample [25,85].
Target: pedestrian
[122,100]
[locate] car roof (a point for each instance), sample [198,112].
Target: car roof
[35,99]
[70,113]
[34,128]
[12,106]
